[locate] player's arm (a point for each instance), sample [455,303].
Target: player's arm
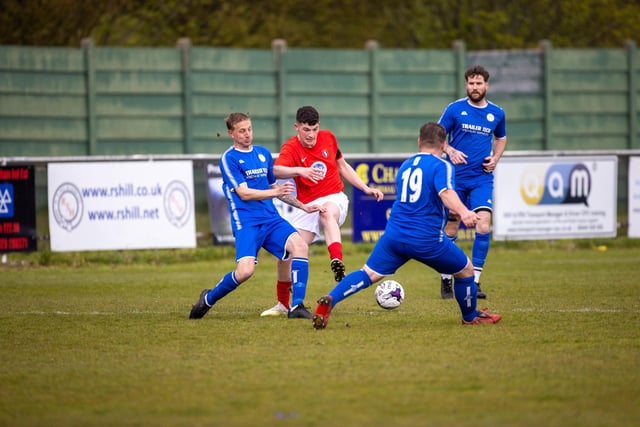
[292,201]
[277,190]
[490,163]
[349,174]
[454,204]
[285,172]
[456,156]
[448,121]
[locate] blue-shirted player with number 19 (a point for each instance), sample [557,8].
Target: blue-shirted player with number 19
[425,195]
[477,139]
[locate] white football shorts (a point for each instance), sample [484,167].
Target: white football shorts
[311,221]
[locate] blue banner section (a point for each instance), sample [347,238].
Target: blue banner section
[370,216]
[17,209]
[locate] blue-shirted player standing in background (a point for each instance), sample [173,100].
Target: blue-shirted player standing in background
[415,230]
[477,138]
[250,185]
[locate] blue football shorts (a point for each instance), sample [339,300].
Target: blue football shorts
[390,253]
[272,236]
[476,194]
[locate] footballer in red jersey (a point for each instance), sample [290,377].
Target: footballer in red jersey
[313,159]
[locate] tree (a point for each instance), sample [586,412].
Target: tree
[424,24]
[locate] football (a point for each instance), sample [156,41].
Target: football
[389,294]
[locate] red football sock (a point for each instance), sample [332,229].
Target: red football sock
[335,251]
[283,291]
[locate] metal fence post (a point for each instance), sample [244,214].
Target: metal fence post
[279,48]
[545,46]
[633,89]
[374,96]
[90,73]
[461,65]
[184,44]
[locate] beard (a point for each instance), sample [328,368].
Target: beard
[476,96]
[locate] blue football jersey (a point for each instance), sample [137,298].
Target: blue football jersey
[418,214]
[255,168]
[471,130]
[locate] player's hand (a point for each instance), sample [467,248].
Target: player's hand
[375,193]
[469,218]
[313,208]
[312,174]
[457,157]
[489,164]
[284,189]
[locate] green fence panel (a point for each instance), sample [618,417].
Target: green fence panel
[136,128]
[338,84]
[105,100]
[138,82]
[42,101]
[21,147]
[414,87]
[227,80]
[130,106]
[589,102]
[583,60]
[634,94]
[41,82]
[205,59]
[134,59]
[43,59]
[137,100]
[43,129]
[233,83]
[32,105]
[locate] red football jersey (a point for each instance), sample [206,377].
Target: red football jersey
[324,156]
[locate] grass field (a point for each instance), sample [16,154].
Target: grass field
[92,339]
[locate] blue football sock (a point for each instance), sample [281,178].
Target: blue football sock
[453,239]
[465,291]
[299,279]
[352,283]
[227,284]
[480,249]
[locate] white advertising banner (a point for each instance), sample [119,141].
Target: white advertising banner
[634,197]
[555,198]
[121,205]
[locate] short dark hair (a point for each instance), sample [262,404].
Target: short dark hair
[476,70]
[307,115]
[432,134]
[234,118]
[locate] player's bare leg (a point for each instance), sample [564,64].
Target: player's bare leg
[333,237]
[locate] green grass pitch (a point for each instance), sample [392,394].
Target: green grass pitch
[92,339]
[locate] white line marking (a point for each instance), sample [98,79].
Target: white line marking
[572,310]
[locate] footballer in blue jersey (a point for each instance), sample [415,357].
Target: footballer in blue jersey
[250,186]
[254,168]
[425,194]
[477,139]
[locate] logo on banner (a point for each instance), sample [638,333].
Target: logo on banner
[6,201]
[67,206]
[565,183]
[380,175]
[177,203]
[370,216]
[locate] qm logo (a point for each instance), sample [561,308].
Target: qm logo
[564,183]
